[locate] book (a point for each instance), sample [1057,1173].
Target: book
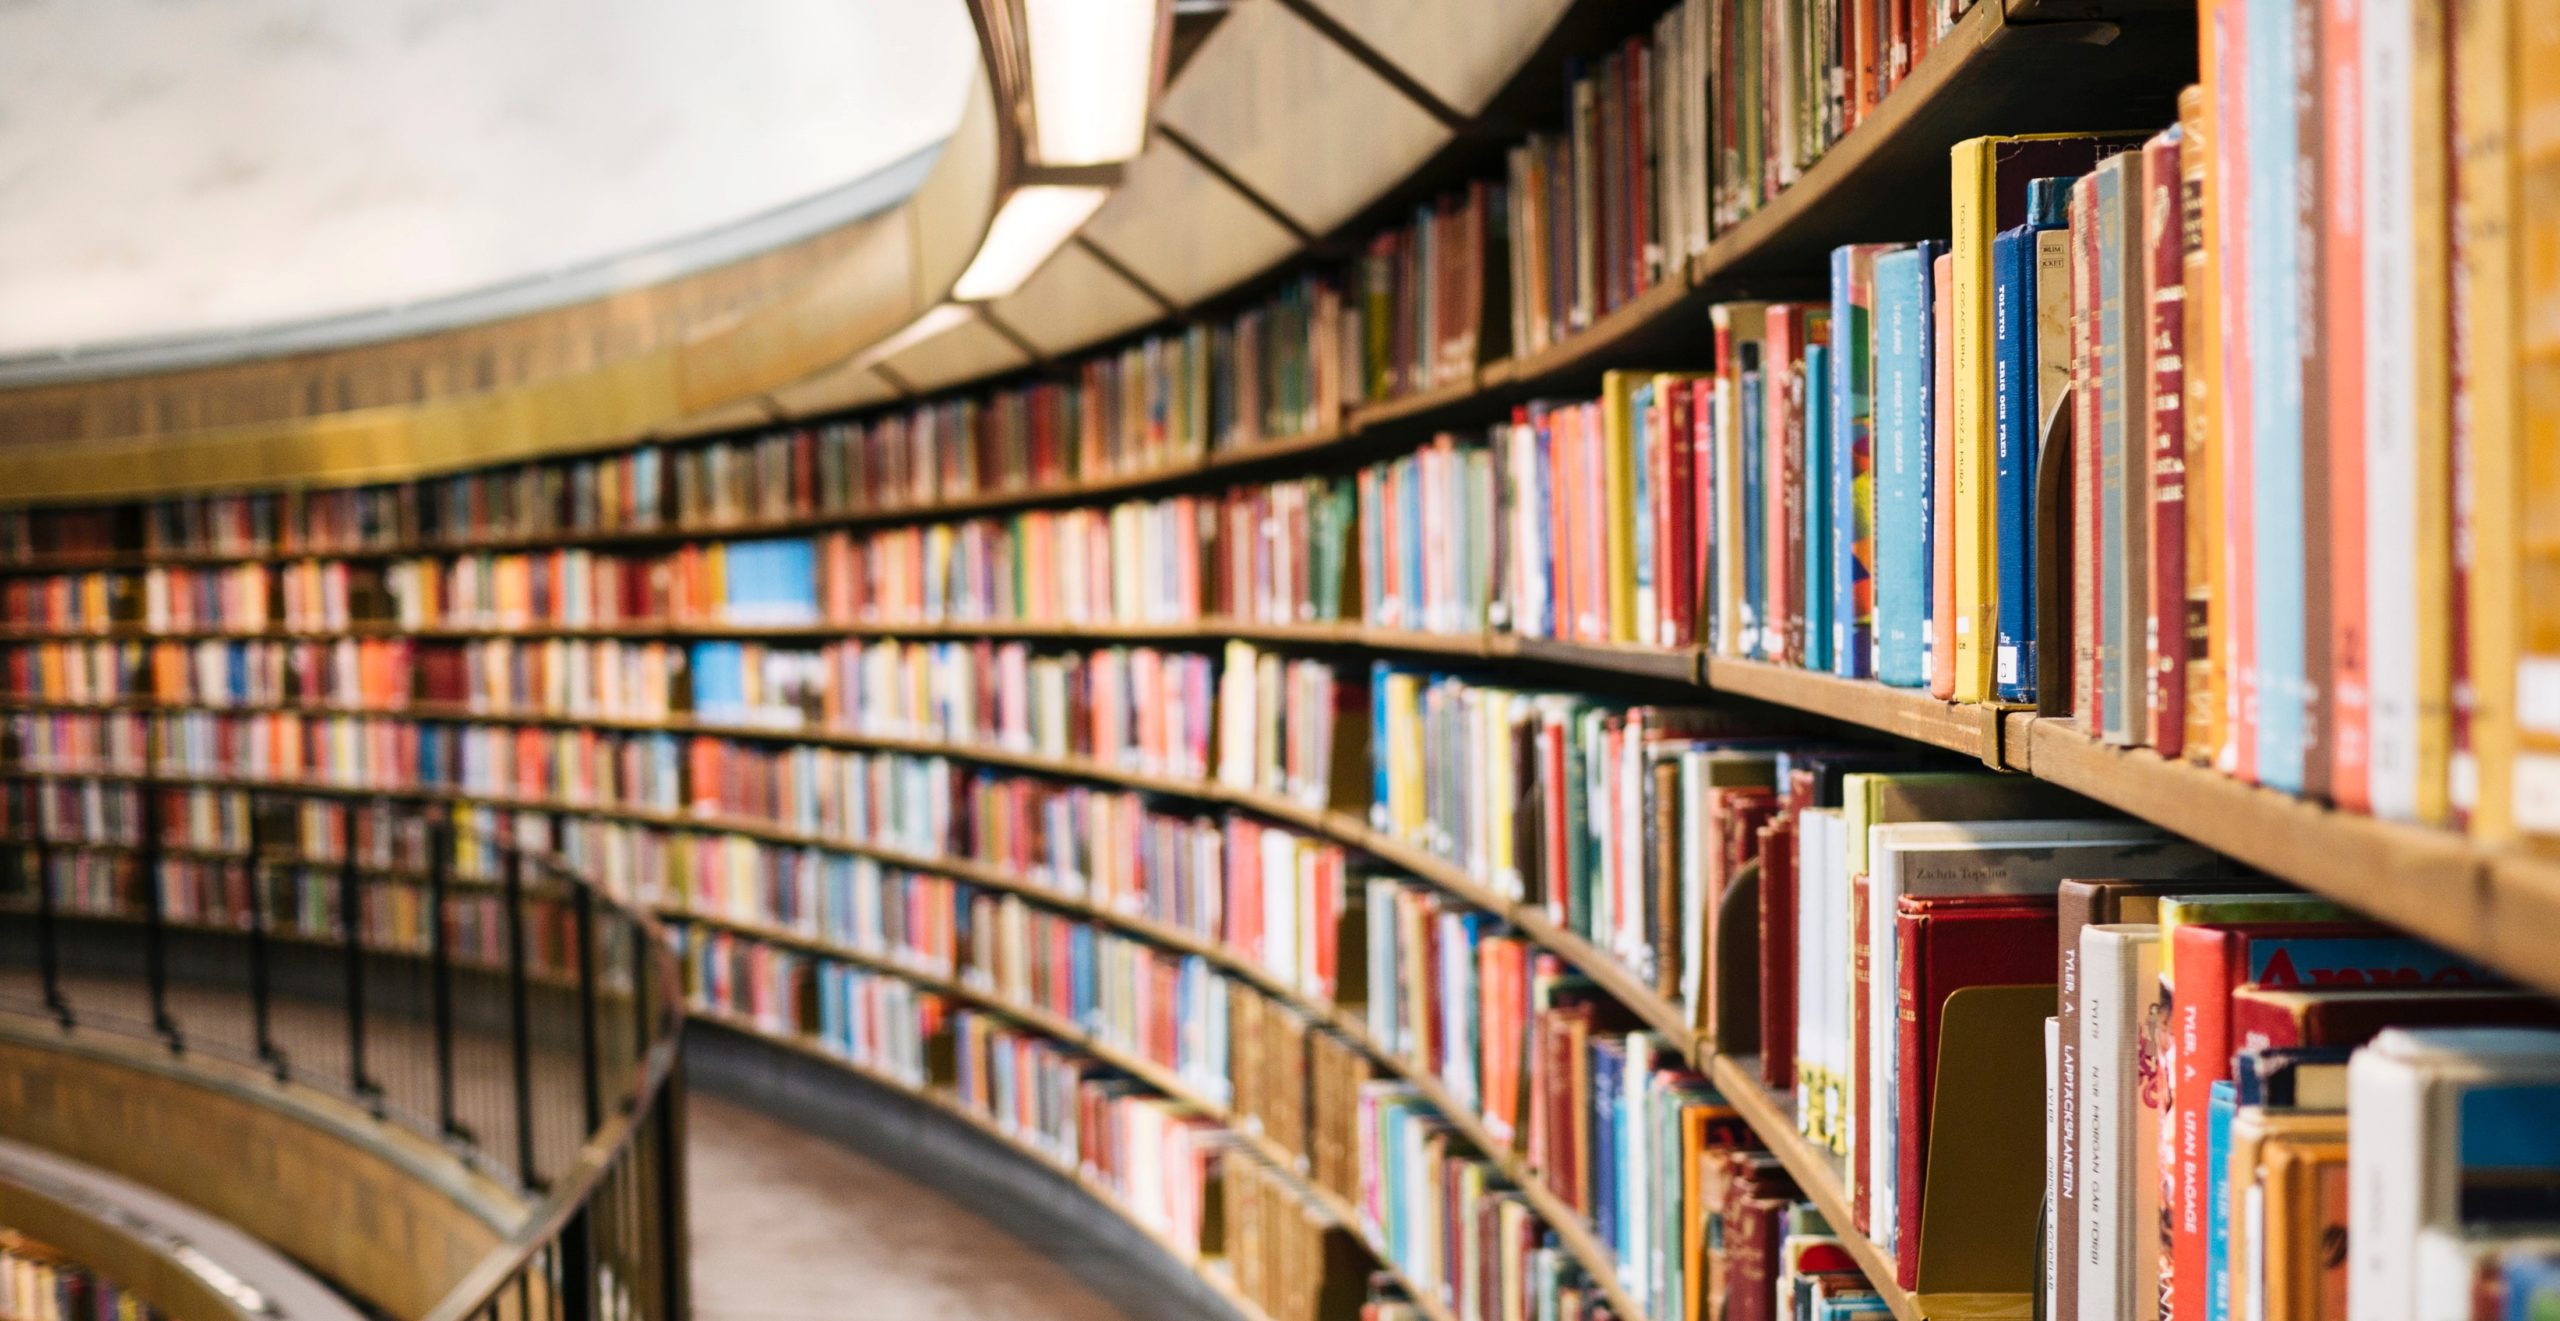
[2111,1235]
[1904,411]
[2017,382]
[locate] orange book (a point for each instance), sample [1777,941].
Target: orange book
[2532,684]
[1942,551]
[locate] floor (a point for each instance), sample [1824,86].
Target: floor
[791,1227]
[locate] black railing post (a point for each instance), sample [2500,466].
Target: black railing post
[48,951]
[351,926]
[583,910]
[261,1023]
[520,1028]
[577,1284]
[674,1276]
[155,934]
[440,971]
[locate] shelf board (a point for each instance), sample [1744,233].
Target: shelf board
[1902,712]
[1817,1172]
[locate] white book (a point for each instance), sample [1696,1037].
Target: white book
[2053,1235]
[2391,424]
[1978,857]
[2119,1207]
[2423,1103]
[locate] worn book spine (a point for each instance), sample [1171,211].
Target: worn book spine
[2165,635]
[2532,683]
[2117,422]
[2487,430]
[2088,695]
[2199,354]
[1940,518]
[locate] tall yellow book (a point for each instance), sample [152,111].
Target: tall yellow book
[2489,422]
[2534,680]
[1618,491]
[1990,195]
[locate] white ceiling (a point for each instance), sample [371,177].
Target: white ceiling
[178,167]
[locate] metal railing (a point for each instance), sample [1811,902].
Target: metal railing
[474,989]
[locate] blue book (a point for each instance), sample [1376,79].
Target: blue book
[1379,673]
[2016,435]
[1818,458]
[2532,1284]
[2277,297]
[773,582]
[2114,453]
[1608,1064]
[1755,531]
[719,672]
[1544,608]
[1903,401]
[2219,1108]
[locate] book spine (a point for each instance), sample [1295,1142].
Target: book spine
[2231,227]
[1902,473]
[2276,297]
[2347,693]
[1853,332]
[2088,507]
[2115,556]
[1940,517]
[2202,414]
[2531,685]
[1970,438]
[2012,411]
[2166,635]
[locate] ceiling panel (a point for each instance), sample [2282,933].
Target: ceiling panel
[1297,118]
[1463,51]
[1074,301]
[965,352]
[1183,230]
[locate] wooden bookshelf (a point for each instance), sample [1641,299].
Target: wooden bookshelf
[1905,713]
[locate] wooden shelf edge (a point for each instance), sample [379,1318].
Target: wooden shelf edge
[1902,712]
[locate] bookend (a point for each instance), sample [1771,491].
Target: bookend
[1733,985]
[1985,1183]
[2053,562]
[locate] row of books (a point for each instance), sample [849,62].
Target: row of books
[293,901]
[39,1283]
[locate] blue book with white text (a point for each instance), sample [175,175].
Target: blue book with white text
[2015,437]
[1903,462]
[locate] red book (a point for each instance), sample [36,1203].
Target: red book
[1676,590]
[1945,944]
[2163,233]
[1702,538]
[2341,341]
[1778,953]
[2206,964]
[2280,1018]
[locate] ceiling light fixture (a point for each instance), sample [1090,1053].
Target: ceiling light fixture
[936,319]
[1029,227]
[1093,75]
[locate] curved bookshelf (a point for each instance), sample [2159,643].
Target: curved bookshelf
[1991,72]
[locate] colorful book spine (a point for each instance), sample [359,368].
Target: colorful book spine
[2167,635]
[1903,470]
[2200,354]
[1854,372]
[2016,259]
[2276,297]
[2347,692]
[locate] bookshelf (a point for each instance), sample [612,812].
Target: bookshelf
[1999,68]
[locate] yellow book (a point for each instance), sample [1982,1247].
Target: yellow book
[2485,180]
[2533,683]
[2203,360]
[2430,185]
[1736,324]
[1989,194]
[1618,492]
